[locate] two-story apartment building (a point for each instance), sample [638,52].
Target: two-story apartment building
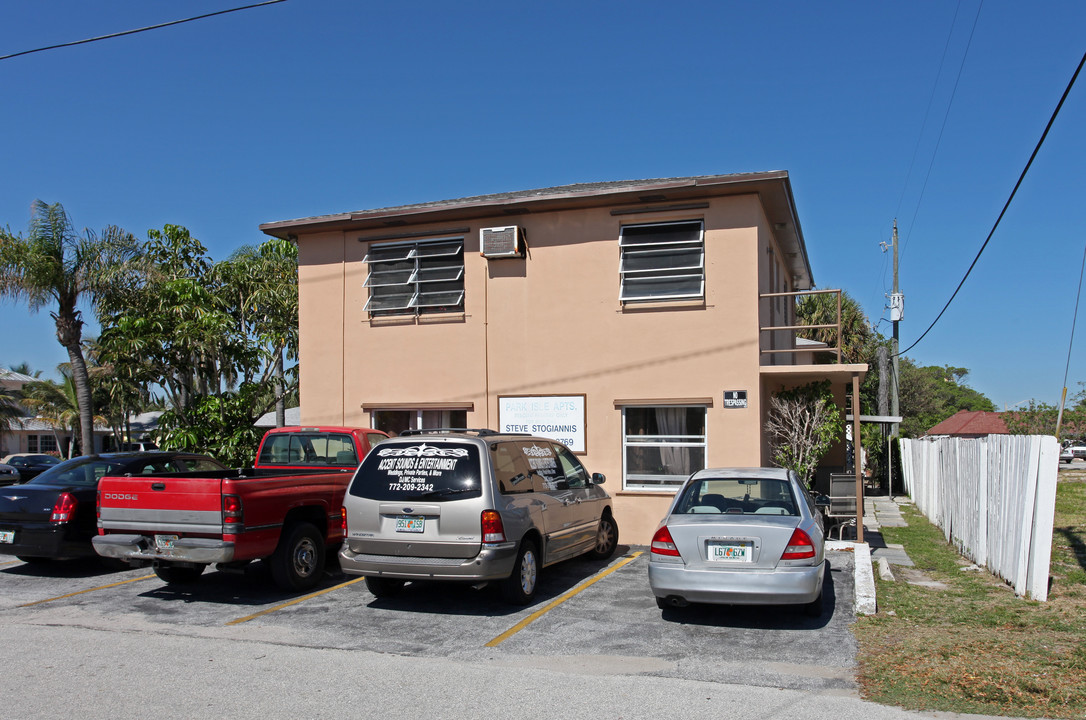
[627,319]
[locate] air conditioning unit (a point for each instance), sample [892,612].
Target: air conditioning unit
[501,242]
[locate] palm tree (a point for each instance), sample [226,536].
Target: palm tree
[856,333]
[56,266]
[55,403]
[24,368]
[10,412]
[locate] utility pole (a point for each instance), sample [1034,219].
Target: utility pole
[897,313]
[884,380]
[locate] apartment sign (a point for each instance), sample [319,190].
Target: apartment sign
[558,417]
[735,398]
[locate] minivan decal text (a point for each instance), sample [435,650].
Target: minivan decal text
[422,451]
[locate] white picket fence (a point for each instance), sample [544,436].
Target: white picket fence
[993,497]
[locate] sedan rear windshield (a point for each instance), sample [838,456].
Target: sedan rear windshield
[79,471]
[418,471]
[741,496]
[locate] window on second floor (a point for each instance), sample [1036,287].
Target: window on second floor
[411,278]
[662,261]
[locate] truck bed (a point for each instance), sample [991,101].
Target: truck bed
[170,517]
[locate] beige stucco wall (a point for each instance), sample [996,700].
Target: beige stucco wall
[549,324]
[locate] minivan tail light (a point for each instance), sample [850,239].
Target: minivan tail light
[493,529]
[231,509]
[799,547]
[64,508]
[343,520]
[663,544]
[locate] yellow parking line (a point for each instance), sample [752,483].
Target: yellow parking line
[558,601]
[295,601]
[101,587]
[9,562]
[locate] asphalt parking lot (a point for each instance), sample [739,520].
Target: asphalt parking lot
[588,617]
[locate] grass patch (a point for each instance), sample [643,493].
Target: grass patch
[975,647]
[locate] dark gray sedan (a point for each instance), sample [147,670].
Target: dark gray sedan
[30,465]
[8,475]
[740,536]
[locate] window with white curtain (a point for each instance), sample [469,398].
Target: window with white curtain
[662,445]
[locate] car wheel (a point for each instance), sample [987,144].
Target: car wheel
[661,603]
[298,562]
[174,575]
[814,608]
[606,539]
[34,560]
[519,587]
[384,587]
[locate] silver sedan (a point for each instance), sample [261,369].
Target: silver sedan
[740,536]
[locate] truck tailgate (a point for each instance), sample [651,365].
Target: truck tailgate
[190,505]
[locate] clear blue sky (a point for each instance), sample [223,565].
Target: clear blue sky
[319,106]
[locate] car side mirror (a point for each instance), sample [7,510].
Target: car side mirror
[822,501]
[598,478]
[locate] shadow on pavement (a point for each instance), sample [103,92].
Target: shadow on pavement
[75,568]
[458,598]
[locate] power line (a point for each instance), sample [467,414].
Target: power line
[923,127]
[1074,319]
[138,30]
[942,128]
[1070,344]
[927,111]
[1007,204]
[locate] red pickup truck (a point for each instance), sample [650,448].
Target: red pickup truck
[285,510]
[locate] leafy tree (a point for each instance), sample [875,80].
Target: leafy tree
[261,286]
[1040,418]
[55,265]
[213,336]
[928,395]
[802,425]
[171,328]
[117,395]
[219,424]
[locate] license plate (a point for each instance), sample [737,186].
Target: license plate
[165,542]
[409,523]
[732,552]
[7,536]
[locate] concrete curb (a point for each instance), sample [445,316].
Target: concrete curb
[864,578]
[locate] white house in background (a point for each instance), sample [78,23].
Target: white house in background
[293,418]
[30,434]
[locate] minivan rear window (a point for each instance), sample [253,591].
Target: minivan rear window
[418,471]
